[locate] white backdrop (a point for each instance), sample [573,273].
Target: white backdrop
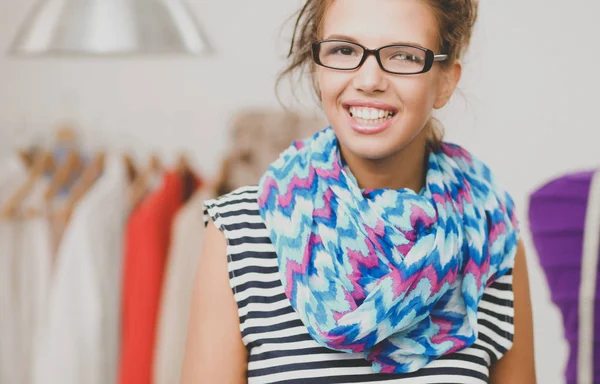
[527,104]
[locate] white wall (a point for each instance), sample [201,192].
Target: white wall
[529,105]
[531,86]
[165,103]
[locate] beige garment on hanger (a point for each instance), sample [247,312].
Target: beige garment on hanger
[186,245]
[257,139]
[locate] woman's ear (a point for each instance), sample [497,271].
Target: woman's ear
[448,81]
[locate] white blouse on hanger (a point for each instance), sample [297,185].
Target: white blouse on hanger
[12,175]
[34,264]
[27,261]
[80,340]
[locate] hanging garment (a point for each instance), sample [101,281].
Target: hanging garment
[146,247]
[10,354]
[255,142]
[280,348]
[12,175]
[186,246]
[32,275]
[557,217]
[35,269]
[26,260]
[79,343]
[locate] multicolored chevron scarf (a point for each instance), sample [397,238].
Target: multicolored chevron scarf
[393,274]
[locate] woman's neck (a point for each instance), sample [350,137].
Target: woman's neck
[404,169]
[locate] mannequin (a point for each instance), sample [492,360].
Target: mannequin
[564,217]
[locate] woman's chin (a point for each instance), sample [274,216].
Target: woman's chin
[372,148]
[367,150]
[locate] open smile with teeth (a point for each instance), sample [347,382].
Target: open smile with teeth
[372,116]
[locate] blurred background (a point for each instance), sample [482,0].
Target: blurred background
[188,87]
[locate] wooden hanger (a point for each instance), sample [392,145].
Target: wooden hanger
[183,164]
[188,176]
[42,163]
[64,174]
[132,171]
[69,169]
[88,177]
[140,186]
[28,156]
[65,133]
[155,164]
[221,184]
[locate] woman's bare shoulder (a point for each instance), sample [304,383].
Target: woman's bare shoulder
[215,351]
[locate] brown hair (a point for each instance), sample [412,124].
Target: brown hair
[456,19]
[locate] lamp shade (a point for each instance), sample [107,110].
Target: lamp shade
[109,27]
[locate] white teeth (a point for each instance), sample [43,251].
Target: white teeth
[369,113]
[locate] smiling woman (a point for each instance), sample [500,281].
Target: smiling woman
[372,251]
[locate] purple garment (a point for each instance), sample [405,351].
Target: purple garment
[557,219]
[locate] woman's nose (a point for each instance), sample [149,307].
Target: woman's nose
[370,77]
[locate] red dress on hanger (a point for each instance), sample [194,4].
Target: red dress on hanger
[146,248]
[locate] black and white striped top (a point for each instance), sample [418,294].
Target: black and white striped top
[280,350]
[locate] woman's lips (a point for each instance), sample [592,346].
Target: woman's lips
[369,127]
[369,104]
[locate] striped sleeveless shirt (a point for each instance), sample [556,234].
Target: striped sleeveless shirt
[280,349]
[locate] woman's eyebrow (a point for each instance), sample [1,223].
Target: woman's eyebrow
[348,38]
[341,37]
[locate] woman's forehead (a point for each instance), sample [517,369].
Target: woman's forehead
[379,22]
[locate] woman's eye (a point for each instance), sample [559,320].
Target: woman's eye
[407,57]
[345,51]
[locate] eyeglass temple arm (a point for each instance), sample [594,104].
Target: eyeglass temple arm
[440,57]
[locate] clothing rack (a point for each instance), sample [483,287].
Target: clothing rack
[88,236]
[72,169]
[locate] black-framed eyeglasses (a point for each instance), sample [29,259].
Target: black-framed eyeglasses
[399,59]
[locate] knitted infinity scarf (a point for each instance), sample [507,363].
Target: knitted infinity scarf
[393,274]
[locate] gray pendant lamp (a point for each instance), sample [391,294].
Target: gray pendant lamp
[109,28]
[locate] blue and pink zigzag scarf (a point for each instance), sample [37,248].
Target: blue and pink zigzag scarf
[394,274]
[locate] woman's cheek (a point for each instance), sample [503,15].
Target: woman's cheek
[417,96]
